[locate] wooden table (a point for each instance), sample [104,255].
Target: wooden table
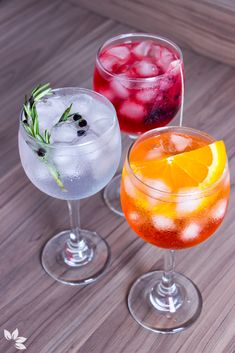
[56,41]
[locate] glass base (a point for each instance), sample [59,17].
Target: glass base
[145,310]
[86,269]
[112,195]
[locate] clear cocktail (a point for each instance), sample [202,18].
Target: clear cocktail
[70,147]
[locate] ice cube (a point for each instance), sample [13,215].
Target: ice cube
[185,207]
[108,62]
[49,112]
[65,161]
[152,202]
[165,84]
[89,138]
[81,103]
[219,209]
[99,111]
[191,231]
[155,153]
[118,89]
[175,66]
[119,51]
[134,216]
[163,223]
[92,145]
[146,95]
[133,110]
[99,126]
[142,49]
[64,133]
[180,142]
[41,171]
[129,188]
[155,51]
[145,68]
[157,184]
[166,58]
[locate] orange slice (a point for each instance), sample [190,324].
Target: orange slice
[197,168]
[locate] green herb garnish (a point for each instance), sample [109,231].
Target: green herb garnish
[31,125]
[64,117]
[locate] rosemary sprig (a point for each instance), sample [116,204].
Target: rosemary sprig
[64,117]
[31,125]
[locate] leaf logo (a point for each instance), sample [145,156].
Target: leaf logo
[14,336]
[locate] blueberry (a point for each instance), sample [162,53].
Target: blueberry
[82,123]
[81,132]
[77,117]
[41,152]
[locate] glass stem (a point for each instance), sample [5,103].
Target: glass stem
[76,252]
[168,274]
[74,217]
[166,295]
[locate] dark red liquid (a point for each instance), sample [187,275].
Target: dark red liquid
[143,81]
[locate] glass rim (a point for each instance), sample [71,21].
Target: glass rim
[169,193]
[139,34]
[58,145]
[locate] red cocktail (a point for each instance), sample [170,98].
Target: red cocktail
[141,75]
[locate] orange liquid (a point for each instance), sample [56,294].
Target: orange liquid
[167,220]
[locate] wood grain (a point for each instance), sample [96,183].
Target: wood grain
[56,41]
[206,26]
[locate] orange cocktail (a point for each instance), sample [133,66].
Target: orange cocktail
[174,194]
[165,198]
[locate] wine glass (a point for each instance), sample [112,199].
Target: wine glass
[166,206]
[77,164]
[142,75]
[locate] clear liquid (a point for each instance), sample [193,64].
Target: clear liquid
[84,167]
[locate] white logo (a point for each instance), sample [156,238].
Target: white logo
[14,336]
